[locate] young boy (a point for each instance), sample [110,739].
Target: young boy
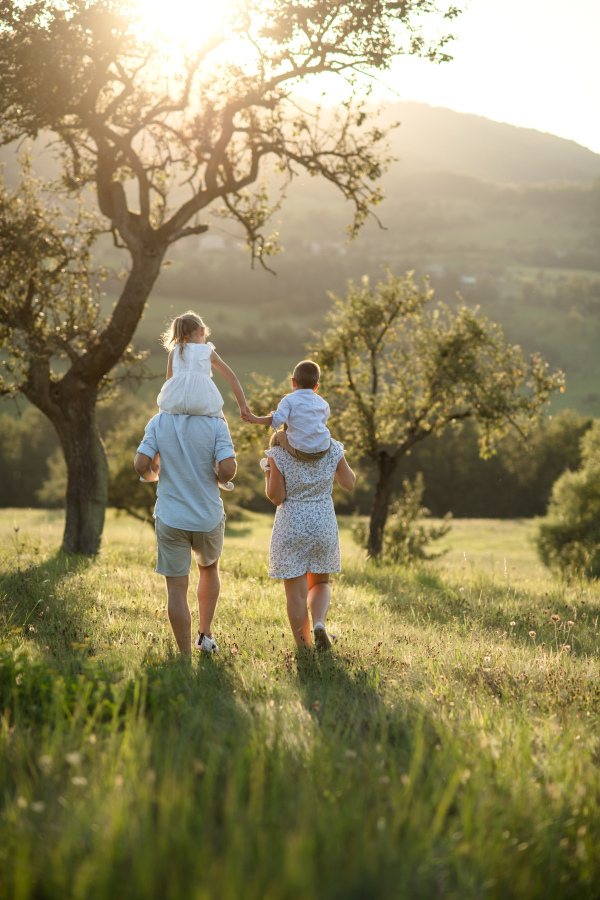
[303,415]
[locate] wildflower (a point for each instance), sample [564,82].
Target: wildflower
[570,623]
[555,618]
[532,634]
[32,627]
[73,759]
[150,636]
[79,780]
[487,658]
[512,624]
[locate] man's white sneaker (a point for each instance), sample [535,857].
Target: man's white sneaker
[322,640]
[205,644]
[228,486]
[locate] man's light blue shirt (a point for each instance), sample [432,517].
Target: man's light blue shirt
[306,414]
[188,493]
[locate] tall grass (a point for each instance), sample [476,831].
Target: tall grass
[447,747]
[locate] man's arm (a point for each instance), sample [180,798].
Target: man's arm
[146,467]
[226,469]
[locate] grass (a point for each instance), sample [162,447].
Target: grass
[448,746]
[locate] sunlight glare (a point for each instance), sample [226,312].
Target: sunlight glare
[189,22]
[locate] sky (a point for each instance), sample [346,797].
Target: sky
[533,63]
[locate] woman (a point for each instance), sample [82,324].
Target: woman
[305,544]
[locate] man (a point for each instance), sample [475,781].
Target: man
[189,513]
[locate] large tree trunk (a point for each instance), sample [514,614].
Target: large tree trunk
[386,466]
[87,475]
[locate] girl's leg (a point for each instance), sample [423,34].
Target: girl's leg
[318,596]
[296,590]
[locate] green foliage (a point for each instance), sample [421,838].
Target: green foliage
[49,314]
[396,371]
[26,445]
[408,536]
[516,482]
[569,538]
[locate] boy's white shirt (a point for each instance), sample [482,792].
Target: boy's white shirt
[306,414]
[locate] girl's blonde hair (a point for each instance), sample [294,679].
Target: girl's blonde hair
[182,327]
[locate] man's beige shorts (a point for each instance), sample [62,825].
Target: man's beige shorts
[174,546]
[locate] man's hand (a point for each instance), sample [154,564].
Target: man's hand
[226,469]
[147,468]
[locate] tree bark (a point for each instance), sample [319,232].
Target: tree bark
[386,467]
[87,475]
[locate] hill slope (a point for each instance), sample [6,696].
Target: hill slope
[431,138]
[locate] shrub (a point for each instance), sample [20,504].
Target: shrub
[569,537]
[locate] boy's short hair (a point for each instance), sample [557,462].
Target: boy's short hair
[307,374]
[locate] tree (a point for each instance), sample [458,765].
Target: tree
[568,538]
[396,371]
[408,535]
[132,117]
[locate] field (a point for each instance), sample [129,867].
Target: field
[447,747]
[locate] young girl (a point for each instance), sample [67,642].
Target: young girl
[189,388]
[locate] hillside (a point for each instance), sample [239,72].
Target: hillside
[436,139]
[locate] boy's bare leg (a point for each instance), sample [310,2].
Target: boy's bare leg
[296,590]
[179,612]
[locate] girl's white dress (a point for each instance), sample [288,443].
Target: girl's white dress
[191,391]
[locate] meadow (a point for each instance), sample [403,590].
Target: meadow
[447,747]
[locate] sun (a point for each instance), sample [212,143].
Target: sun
[189,22]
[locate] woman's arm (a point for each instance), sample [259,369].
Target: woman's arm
[230,376]
[275,483]
[170,365]
[344,475]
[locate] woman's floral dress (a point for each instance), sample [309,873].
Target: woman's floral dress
[305,534]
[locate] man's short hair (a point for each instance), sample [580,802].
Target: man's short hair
[307,374]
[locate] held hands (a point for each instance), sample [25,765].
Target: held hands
[245,412]
[247,416]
